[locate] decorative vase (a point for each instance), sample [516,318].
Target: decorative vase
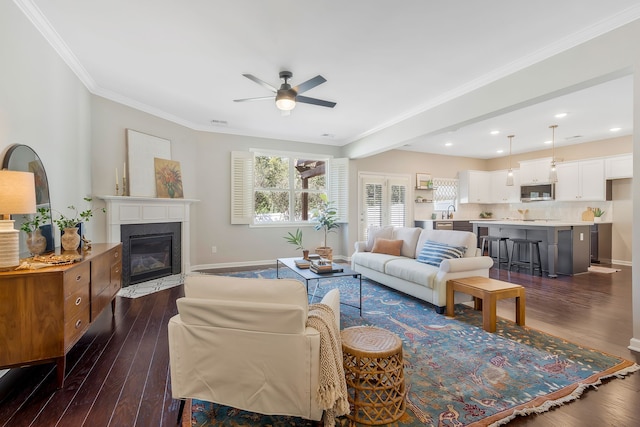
[305,254]
[70,239]
[36,242]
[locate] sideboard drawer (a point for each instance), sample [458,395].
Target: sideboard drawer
[75,327]
[76,302]
[76,277]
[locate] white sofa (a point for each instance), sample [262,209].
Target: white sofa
[404,273]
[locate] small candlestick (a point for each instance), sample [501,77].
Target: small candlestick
[117,190]
[124,186]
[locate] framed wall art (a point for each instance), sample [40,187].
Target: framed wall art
[168,179]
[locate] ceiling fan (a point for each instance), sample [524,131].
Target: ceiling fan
[286,97]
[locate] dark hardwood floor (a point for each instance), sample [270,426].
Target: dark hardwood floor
[118,374]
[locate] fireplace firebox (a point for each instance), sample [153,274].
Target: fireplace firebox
[150,251]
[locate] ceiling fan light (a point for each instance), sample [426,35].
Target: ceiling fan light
[285,100]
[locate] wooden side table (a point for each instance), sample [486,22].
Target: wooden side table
[374,371]
[486,292]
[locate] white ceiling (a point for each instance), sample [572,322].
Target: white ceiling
[384,61]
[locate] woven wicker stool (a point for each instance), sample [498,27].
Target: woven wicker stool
[375,377]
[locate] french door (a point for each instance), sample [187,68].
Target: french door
[383,201]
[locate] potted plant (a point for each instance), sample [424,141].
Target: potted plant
[296,240]
[326,216]
[70,225]
[597,214]
[36,242]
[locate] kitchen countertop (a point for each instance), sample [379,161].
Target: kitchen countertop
[538,222]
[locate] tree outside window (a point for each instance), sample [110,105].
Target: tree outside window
[286,189]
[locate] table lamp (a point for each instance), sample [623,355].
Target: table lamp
[17,196]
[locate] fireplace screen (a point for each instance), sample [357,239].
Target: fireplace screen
[150,257]
[150,251]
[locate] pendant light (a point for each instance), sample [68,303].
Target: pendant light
[553,174]
[510,171]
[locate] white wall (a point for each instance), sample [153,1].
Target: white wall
[44,105]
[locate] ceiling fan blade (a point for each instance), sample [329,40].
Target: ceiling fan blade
[315,101]
[260,82]
[260,98]
[310,84]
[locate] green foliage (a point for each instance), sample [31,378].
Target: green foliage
[295,239]
[71,221]
[39,218]
[326,216]
[597,212]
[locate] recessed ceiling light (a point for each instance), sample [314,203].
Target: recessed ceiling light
[500,151]
[448,144]
[495,132]
[219,122]
[614,129]
[330,135]
[560,115]
[548,142]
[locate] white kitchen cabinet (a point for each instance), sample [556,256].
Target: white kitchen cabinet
[500,192]
[535,171]
[581,181]
[474,187]
[617,167]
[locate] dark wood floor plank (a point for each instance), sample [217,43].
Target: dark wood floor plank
[151,409]
[95,400]
[121,367]
[132,391]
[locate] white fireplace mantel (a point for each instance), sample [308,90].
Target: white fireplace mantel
[147,210]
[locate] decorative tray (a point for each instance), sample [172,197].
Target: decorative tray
[42,261]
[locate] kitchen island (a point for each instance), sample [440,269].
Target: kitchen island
[565,246]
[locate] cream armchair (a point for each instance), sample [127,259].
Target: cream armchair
[244,343]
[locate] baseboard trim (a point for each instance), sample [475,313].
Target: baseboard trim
[634,345]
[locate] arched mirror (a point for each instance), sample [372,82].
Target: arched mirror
[22,158]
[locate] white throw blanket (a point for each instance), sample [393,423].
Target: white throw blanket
[332,387]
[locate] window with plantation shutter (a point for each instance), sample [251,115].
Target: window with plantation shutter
[273,188]
[383,201]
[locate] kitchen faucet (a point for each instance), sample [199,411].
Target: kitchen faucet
[448,214]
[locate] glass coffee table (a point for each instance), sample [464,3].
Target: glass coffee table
[309,275]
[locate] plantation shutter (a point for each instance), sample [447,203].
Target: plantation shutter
[241,187]
[397,202]
[383,202]
[339,187]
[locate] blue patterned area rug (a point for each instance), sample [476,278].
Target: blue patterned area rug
[456,373]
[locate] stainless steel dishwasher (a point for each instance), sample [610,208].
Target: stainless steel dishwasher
[444,225]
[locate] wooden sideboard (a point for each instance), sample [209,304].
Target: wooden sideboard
[44,312]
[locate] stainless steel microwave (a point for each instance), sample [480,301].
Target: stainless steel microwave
[537,192]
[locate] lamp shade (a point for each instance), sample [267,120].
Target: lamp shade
[17,192]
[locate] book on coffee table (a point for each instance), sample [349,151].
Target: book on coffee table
[325,266]
[302,263]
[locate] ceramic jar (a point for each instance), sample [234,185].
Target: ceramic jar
[70,239]
[36,242]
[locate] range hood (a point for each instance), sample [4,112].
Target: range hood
[537,192]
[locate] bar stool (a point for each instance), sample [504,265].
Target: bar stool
[533,262]
[502,245]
